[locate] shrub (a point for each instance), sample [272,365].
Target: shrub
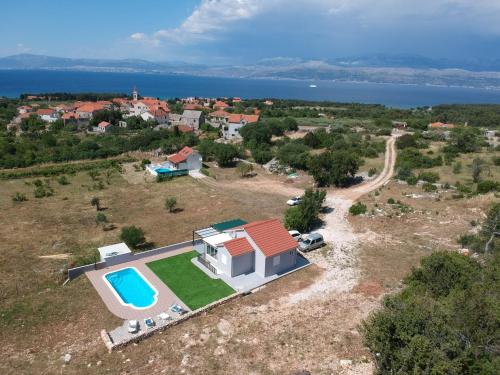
[486,186]
[303,217]
[163,178]
[357,209]
[170,204]
[244,169]
[19,197]
[428,187]
[63,180]
[132,236]
[145,162]
[431,177]
[372,172]
[100,218]
[391,201]
[262,155]
[95,202]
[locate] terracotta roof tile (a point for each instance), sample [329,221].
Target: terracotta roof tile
[270,236]
[238,246]
[181,156]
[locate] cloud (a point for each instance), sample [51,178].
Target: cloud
[327,27]
[21,48]
[207,20]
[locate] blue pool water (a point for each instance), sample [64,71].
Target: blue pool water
[131,287]
[162,170]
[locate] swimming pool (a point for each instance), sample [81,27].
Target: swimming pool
[131,288]
[162,170]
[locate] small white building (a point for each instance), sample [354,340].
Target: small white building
[104,127]
[114,254]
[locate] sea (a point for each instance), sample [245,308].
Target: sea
[15,82]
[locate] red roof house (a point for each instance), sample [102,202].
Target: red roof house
[263,247]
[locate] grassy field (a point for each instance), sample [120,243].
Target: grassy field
[188,282]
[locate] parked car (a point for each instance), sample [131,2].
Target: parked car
[294,201]
[311,242]
[133,326]
[295,234]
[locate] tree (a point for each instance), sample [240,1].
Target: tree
[444,321]
[291,124]
[132,236]
[244,169]
[465,139]
[294,154]
[305,215]
[334,167]
[95,202]
[100,218]
[477,169]
[170,204]
[225,154]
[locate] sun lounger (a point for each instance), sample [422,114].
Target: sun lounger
[177,309]
[164,316]
[149,322]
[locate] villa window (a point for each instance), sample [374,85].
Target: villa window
[212,251]
[276,261]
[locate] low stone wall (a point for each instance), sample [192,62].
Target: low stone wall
[111,345]
[73,273]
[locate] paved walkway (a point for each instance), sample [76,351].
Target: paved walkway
[165,296]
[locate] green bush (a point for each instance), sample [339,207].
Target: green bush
[19,197]
[170,204]
[391,201]
[372,172]
[163,178]
[305,215]
[63,180]
[132,236]
[486,186]
[444,321]
[428,187]
[431,177]
[357,209]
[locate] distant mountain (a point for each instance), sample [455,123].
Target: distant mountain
[398,69]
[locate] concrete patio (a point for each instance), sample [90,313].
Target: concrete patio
[246,282]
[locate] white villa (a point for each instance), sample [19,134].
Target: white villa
[185,159]
[262,247]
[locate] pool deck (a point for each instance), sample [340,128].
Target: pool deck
[165,296]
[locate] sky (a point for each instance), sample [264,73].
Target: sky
[247,31]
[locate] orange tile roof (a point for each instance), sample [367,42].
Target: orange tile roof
[185,128]
[90,107]
[441,125]
[219,113]
[237,118]
[103,124]
[181,156]
[192,107]
[69,116]
[45,111]
[220,104]
[270,236]
[238,246]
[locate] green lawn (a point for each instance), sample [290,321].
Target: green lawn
[188,282]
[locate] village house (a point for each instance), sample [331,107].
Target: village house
[104,127]
[192,118]
[187,158]
[219,105]
[218,118]
[235,122]
[24,109]
[48,114]
[440,125]
[86,111]
[70,118]
[264,247]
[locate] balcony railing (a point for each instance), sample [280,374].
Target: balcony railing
[207,264]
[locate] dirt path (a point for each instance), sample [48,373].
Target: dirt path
[339,259]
